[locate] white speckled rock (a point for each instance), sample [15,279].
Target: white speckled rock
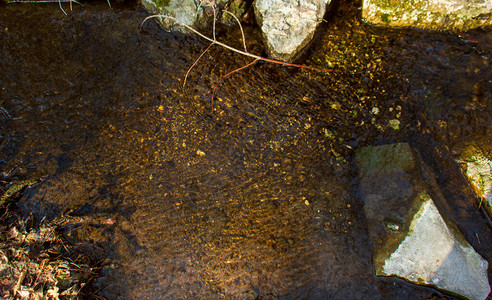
[288,26]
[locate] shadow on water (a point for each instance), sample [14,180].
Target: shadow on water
[257,199]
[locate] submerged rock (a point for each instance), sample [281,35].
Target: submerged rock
[288,26]
[410,237]
[458,15]
[435,253]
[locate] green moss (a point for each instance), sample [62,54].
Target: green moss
[161,3]
[390,158]
[236,8]
[385,18]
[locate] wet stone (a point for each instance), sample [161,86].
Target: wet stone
[478,169]
[411,239]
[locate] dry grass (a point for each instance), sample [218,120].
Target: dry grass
[36,262]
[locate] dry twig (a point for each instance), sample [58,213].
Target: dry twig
[237,50]
[21,278]
[213,41]
[188,72]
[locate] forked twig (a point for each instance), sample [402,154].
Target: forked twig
[187,72]
[60,3]
[237,50]
[205,51]
[214,41]
[61,7]
[240,27]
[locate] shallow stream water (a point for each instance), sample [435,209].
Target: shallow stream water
[252,194]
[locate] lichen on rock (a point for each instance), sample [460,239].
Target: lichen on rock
[454,15]
[288,26]
[478,169]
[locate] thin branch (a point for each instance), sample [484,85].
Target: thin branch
[237,50]
[61,7]
[240,27]
[213,8]
[187,72]
[228,74]
[18,285]
[213,41]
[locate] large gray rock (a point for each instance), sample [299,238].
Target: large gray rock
[288,26]
[410,237]
[435,253]
[456,15]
